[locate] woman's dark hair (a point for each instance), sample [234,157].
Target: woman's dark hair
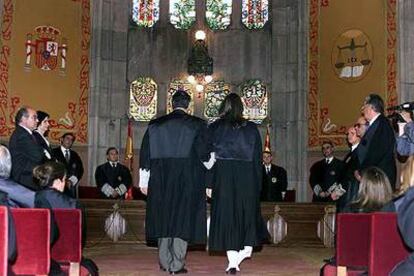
[41,115]
[44,175]
[231,108]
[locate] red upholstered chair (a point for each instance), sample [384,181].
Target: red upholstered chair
[4,229]
[68,248]
[386,246]
[33,241]
[290,196]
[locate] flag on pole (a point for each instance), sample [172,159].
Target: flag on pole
[129,157]
[267,147]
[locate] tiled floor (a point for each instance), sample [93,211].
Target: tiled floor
[135,259]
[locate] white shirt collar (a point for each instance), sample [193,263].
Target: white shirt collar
[329,159]
[373,119]
[28,130]
[113,163]
[353,147]
[63,149]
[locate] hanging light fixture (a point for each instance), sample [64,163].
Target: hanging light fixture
[200,64]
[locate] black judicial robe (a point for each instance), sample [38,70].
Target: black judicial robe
[273,184]
[106,174]
[236,182]
[173,149]
[325,175]
[348,181]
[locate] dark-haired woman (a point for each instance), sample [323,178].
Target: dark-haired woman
[40,134]
[51,178]
[236,222]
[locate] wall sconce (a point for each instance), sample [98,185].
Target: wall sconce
[200,64]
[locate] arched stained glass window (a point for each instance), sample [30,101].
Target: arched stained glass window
[254,98]
[182,13]
[180,85]
[255,13]
[143,99]
[215,93]
[145,13]
[218,14]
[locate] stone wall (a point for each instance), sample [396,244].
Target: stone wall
[275,54]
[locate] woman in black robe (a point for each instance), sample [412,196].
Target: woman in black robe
[236,222]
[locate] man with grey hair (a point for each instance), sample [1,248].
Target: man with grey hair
[377,145]
[26,153]
[18,195]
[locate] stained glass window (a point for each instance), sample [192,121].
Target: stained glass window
[180,85]
[255,13]
[143,99]
[182,13]
[215,93]
[145,13]
[254,98]
[218,14]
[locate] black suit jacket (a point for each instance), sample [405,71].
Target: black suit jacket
[325,175]
[44,145]
[377,148]
[73,167]
[26,154]
[273,184]
[106,174]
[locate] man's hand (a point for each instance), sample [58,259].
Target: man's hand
[144,190]
[208,192]
[335,196]
[323,194]
[406,116]
[357,176]
[114,194]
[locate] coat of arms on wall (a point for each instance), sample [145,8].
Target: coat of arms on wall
[352,55]
[48,47]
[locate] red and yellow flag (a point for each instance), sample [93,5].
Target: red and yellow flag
[129,157]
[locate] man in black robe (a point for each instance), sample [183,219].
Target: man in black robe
[112,178]
[72,161]
[172,176]
[325,174]
[378,143]
[274,180]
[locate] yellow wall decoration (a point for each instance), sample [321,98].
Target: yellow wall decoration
[352,53]
[45,63]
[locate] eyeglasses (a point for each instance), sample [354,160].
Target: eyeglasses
[358,125]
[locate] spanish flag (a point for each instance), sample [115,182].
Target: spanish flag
[129,157]
[267,147]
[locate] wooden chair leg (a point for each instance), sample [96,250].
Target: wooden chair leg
[74,269]
[341,271]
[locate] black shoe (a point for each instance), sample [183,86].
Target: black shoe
[163,269]
[232,270]
[181,271]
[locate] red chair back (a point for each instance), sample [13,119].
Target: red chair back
[387,246]
[33,241]
[4,231]
[352,239]
[68,247]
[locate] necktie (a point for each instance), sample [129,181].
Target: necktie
[113,165]
[67,155]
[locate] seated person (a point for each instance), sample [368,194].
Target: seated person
[51,177]
[374,192]
[17,195]
[274,181]
[112,178]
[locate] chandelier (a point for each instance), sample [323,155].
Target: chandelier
[200,64]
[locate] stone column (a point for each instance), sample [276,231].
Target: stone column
[107,101]
[289,90]
[405,27]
